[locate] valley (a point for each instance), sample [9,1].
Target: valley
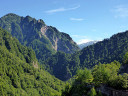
[38,60]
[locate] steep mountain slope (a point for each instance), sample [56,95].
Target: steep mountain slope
[45,40]
[81,46]
[20,74]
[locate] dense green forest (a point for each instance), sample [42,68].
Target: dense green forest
[88,80]
[105,51]
[20,73]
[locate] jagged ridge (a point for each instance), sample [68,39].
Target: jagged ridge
[28,30]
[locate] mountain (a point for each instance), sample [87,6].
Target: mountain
[81,46]
[45,40]
[20,73]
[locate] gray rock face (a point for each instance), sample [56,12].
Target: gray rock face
[60,41]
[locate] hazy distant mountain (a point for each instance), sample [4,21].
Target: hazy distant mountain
[81,46]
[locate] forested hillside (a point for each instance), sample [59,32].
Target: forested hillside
[20,73]
[105,51]
[94,82]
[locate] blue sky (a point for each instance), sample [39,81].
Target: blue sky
[83,20]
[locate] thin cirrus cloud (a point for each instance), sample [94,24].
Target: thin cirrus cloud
[61,9]
[121,11]
[76,19]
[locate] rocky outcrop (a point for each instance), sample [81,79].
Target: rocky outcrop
[60,41]
[43,30]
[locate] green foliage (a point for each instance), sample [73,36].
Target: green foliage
[18,74]
[79,86]
[84,76]
[125,59]
[66,91]
[108,74]
[103,72]
[92,92]
[119,82]
[100,75]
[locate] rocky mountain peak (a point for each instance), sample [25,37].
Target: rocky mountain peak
[36,34]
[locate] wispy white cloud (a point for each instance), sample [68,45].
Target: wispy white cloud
[76,19]
[62,9]
[121,11]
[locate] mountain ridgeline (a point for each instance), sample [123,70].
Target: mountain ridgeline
[45,40]
[20,73]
